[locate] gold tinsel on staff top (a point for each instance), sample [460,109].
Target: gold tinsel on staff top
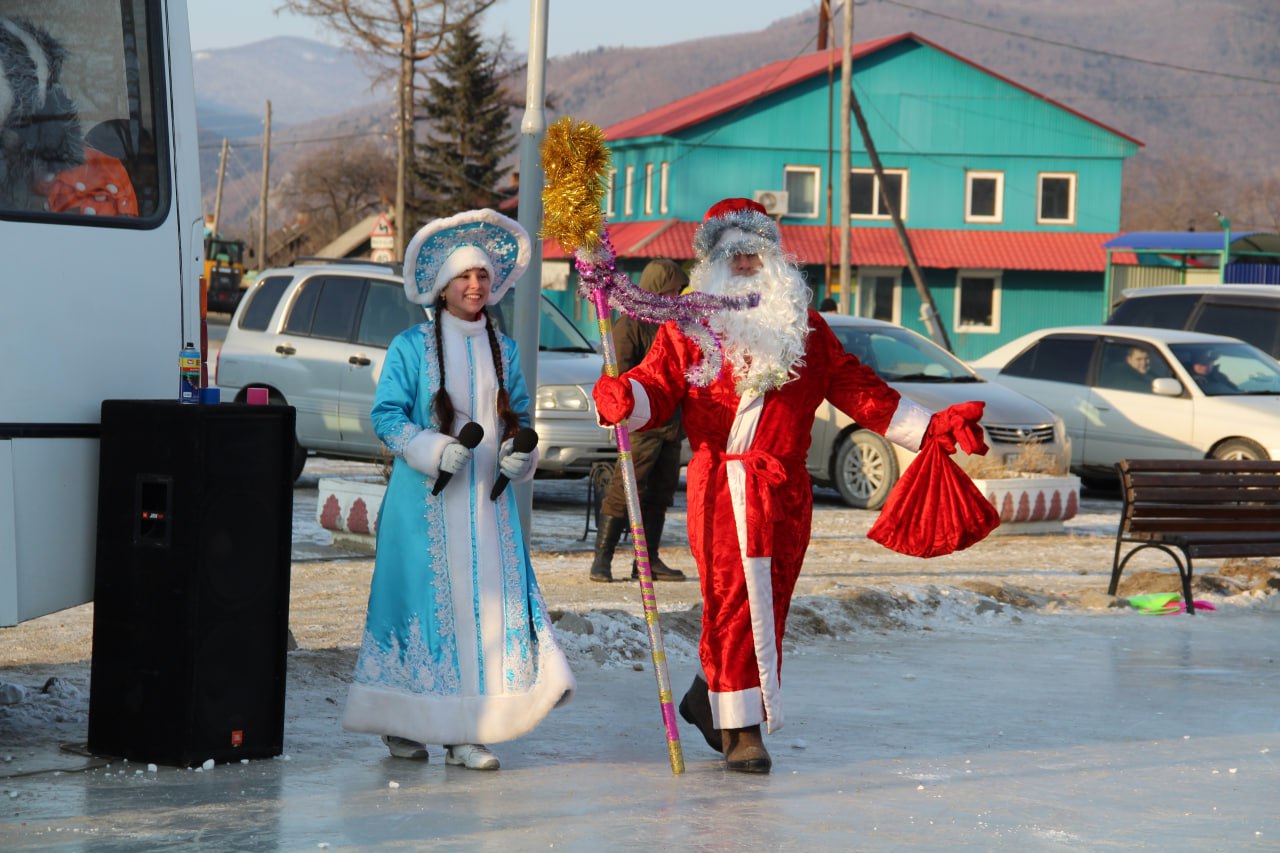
[575,162]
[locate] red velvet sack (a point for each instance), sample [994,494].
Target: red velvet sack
[935,508]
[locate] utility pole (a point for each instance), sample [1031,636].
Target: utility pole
[824,27]
[262,204]
[846,164]
[928,311]
[217,198]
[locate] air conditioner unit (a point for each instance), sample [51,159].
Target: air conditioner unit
[774,201]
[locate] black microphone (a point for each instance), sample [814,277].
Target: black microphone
[469,436]
[524,441]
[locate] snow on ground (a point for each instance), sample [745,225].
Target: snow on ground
[850,587]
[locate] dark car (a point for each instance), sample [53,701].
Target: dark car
[1250,312]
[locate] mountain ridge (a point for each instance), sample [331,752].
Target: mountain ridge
[1193,84]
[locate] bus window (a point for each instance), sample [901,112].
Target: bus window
[79,130]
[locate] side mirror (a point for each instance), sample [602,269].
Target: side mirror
[1166,386]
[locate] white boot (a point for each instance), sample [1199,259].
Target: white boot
[473,756]
[404,748]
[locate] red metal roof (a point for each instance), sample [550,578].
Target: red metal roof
[626,236]
[732,94]
[934,248]
[745,88]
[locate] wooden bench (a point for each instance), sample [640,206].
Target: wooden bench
[1192,508]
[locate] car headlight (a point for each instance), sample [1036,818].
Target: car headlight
[561,398]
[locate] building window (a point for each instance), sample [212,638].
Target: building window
[880,294]
[664,184]
[984,197]
[978,302]
[1056,199]
[864,193]
[801,184]
[611,183]
[628,190]
[648,189]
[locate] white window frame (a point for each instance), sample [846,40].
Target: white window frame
[648,189]
[1071,204]
[628,191]
[868,273]
[609,187]
[816,171]
[996,300]
[664,185]
[875,193]
[970,177]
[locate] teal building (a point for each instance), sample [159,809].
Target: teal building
[1007,196]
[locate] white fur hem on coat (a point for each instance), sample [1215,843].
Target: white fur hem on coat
[460,719]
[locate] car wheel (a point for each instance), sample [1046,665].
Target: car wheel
[1239,448]
[865,470]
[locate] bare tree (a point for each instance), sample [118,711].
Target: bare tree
[407,31]
[337,184]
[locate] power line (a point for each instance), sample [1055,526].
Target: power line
[1095,51]
[250,143]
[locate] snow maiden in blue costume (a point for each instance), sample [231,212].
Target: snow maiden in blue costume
[458,648]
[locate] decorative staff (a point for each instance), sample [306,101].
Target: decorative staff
[575,161]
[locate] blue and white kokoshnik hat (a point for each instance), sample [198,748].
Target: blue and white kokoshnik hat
[444,248]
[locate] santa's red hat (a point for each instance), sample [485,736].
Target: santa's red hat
[736,226]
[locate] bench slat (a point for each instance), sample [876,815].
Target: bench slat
[1199,481]
[1195,525]
[1202,495]
[1208,511]
[1268,466]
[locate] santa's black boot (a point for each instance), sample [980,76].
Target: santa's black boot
[695,707]
[608,532]
[654,521]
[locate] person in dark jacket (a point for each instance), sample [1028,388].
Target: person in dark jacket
[655,453]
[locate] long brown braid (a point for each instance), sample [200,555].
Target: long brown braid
[442,405]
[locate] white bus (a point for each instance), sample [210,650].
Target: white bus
[100,255]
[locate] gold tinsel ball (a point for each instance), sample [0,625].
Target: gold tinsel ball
[574,162]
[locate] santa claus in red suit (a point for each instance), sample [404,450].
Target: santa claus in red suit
[750,500]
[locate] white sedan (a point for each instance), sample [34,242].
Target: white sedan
[863,467]
[1129,393]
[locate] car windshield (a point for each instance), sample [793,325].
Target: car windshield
[900,355]
[556,332]
[1229,369]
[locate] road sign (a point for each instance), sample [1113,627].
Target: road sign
[382,241]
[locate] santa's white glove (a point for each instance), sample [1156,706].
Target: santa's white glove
[454,458]
[515,465]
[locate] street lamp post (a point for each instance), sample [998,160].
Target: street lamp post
[1225,224]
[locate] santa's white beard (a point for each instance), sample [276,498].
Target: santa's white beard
[764,346]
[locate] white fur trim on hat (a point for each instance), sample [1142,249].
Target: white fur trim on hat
[745,232]
[501,241]
[459,261]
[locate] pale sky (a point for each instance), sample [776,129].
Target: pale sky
[573,25]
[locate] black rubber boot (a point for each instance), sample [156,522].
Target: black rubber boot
[654,521]
[608,533]
[695,707]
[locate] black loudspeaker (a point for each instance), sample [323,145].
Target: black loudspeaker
[191,584]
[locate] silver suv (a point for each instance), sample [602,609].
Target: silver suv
[1250,312]
[315,335]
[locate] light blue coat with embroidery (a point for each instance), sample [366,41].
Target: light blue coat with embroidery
[458,647]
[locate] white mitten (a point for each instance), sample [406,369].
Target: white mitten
[454,458]
[515,464]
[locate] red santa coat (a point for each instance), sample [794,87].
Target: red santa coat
[750,498]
